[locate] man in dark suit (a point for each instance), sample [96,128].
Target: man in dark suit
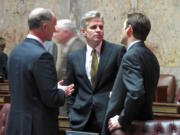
[35,97]
[137,78]
[3,60]
[92,69]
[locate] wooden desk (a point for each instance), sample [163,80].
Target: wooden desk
[4,86]
[4,98]
[63,124]
[166,116]
[4,93]
[166,110]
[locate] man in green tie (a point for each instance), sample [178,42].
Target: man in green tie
[92,69]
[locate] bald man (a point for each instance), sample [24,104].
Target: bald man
[35,97]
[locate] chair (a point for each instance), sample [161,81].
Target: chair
[177,100]
[168,80]
[3,117]
[152,127]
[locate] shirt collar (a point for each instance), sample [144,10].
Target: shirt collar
[97,48]
[133,43]
[34,37]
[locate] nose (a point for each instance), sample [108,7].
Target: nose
[98,28]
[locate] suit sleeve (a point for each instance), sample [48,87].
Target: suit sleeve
[116,101]
[120,56]
[132,78]
[45,76]
[70,79]
[114,104]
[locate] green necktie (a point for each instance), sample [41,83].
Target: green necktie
[94,67]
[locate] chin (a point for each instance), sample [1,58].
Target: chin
[99,40]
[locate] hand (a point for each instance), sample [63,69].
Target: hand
[61,82]
[60,85]
[67,89]
[113,123]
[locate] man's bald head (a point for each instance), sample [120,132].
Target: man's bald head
[38,16]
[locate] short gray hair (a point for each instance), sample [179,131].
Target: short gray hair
[66,24]
[38,16]
[90,15]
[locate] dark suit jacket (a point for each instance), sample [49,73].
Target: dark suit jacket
[134,88]
[34,95]
[3,63]
[86,98]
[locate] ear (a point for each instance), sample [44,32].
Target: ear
[44,26]
[129,30]
[83,31]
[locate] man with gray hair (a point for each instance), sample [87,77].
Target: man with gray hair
[35,97]
[66,35]
[92,69]
[65,41]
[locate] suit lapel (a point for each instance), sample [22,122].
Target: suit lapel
[83,65]
[104,57]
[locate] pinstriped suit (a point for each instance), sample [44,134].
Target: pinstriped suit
[34,95]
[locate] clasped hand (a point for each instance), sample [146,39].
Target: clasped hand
[113,123]
[67,89]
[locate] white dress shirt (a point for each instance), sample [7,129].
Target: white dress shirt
[129,46]
[89,60]
[34,37]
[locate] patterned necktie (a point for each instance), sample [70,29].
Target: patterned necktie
[94,67]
